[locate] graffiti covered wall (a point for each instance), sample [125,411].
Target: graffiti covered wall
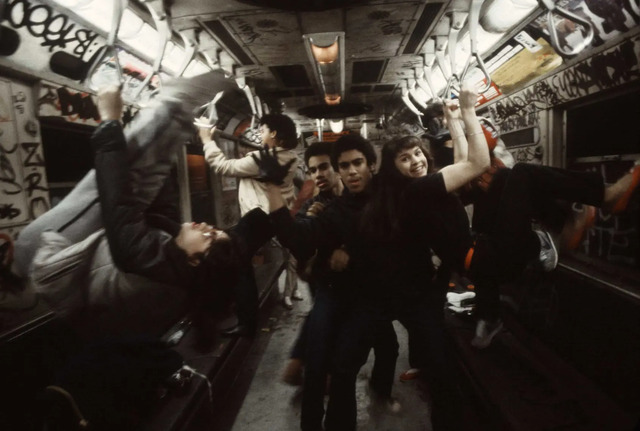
[24,192]
[614,238]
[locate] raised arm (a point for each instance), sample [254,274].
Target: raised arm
[458,174]
[243,167]
[460,146]
[134,245]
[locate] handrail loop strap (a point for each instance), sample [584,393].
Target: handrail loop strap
[474,19]
[551,7]
[119,7]
[163,26]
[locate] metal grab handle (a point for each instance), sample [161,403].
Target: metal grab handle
[119,7]
[242,85]
[423,83]
[551,7]
[457,22]
[163,26]
[413,92]
[429,59]
[474,19]
[406,100]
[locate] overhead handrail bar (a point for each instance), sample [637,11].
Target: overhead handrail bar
[111,48]
[406,100]
[190,52]
[258,103]
[163,26]
[551,7]
[457,22]
[443,64]
[242,85]
[429,60]
[474,21]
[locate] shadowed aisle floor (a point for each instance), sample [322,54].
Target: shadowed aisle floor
[273,405]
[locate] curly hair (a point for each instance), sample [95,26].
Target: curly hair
[353,142]
[284,127]
[318,149]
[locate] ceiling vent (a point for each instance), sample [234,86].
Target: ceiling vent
[293,76]
[356,89]
[429,13]
[367,71]
[224,37]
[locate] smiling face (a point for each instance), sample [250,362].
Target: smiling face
[411,162]
[322,173]
[354,171]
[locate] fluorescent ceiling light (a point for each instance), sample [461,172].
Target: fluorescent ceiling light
[336,125]
[146,37]
[326,55]
[173,58]
[130,26]
[196,67]
[502,15]
[99,13]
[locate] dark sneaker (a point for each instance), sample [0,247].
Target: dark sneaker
[485,332]
[548,254]
[293,372]
[463,299]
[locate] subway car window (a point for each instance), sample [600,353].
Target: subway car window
[211,213]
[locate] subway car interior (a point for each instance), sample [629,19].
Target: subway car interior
[558,90]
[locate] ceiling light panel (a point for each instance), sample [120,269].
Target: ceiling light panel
[381,29]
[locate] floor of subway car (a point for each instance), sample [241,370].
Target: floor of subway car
[271,404]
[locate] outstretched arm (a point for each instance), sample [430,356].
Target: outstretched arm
[458,174]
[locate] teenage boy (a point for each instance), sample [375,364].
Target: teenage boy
[278,133]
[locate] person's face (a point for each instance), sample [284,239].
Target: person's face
[196,240]
[354,171]
[322,172]
[411,162]
[267,136]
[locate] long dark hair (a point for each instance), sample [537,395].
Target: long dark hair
[381,216]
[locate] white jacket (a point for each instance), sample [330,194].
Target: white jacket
[251,193]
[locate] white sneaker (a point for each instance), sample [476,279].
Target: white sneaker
[485,331]
[548,253]
[460,299]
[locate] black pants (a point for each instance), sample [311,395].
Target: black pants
[246,295]
[422,318]
[331,307]
[502,252]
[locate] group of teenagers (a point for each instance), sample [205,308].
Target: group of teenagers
[120,261]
